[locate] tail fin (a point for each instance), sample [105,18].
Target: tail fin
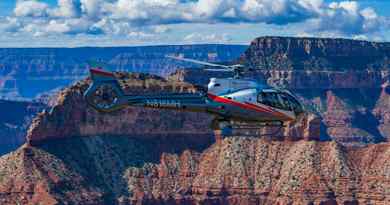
[97,74]
[104,93]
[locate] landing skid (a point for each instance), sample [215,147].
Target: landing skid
[256,125]
[252,133]
[253,129]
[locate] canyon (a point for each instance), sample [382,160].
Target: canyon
[28,73]
[15,118]
[339,155]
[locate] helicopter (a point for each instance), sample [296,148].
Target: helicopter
[234,103]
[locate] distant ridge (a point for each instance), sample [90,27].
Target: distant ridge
[28,72]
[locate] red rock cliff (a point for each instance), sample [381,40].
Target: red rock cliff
[236,170]
[345,81]
[77,156]
[71,116]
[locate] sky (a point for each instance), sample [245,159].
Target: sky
[75,23]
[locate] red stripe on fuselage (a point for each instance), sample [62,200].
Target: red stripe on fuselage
[232,102]
[247,105]
[261,109]
[101,72]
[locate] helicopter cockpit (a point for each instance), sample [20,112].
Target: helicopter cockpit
[279,99]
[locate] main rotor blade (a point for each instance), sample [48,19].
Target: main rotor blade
[198,62]
[220,70]
[312,71]
[319,71]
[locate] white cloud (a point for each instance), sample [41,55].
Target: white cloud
[140,35]
[207,38]
[57,27]
[161,29]
[31,8]
[371,20]
[68,8]
[279,11]
[93,8]
[346,17]
[149,12]
[212,11]
[72,26]
[145,18]
[10,24]
[206,9]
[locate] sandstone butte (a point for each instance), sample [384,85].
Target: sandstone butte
[353,97]
[75,155]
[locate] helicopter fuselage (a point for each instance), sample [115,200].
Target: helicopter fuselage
[227,99]
[242,99]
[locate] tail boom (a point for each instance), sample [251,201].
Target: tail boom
[106,95]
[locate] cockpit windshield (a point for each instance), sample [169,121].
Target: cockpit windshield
[279,100]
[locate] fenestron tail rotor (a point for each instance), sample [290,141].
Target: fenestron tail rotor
[105,93]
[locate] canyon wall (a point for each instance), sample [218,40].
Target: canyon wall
[75,155]
[345,82]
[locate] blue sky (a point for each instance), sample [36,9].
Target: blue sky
[72,23]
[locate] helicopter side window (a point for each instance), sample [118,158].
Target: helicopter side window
[270,99]
[290,103]
[296,106]
[287,105]
[217,85]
